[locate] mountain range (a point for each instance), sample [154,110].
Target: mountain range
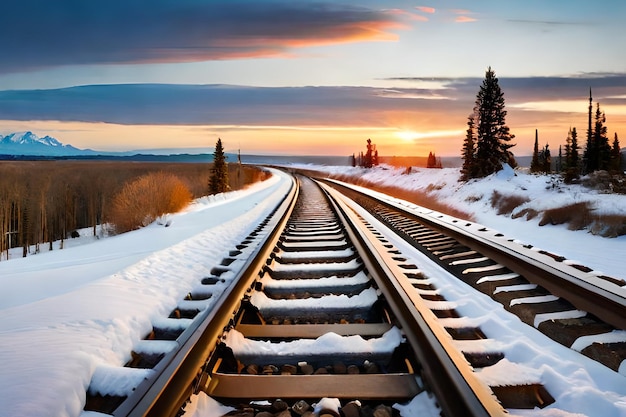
[29,144]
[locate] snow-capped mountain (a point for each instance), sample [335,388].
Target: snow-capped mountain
[26,138]
[28,143]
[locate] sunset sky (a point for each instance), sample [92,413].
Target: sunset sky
[306,77]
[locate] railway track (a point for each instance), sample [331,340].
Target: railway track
[565,301]
[318,307]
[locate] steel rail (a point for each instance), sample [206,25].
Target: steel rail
[176,374]
[449,376]
[601,299]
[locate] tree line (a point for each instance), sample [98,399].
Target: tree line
[46,201]
[486,146]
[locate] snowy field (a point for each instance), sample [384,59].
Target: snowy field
[605,255]
[67,313]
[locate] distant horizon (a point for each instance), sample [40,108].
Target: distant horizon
[209,150]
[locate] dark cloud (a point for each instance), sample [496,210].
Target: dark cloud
[299,106]
[520,89]
[42,33]
[209,104]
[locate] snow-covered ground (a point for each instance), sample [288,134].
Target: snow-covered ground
[605,255]
[67,313]
[579,385]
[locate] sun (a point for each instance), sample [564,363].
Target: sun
[407,135]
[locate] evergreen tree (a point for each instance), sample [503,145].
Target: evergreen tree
[597,153]
[616,155]
[568,151]
[545,160]
[370,158]
[535,166]
[559,162]
[601,139]
[468,170]
[492,133]
[219,176]
[572,158]
[589,156]
[431,161]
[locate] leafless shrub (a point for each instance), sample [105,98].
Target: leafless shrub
[505,204]
[144,199]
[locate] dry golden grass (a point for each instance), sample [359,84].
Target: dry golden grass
[609,225]
[577,215]
[505,204]
[581,215]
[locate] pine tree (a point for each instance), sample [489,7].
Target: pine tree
[601,139]
[597,155]
[572,159]
[616,155]
[468,170]
[368,154]
[568,151]
[430,162]
[589,156]
[219,176]
[535,166]
[492,133]
[370,158]
[545,160]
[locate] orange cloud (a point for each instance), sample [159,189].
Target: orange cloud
[464,19]
[181,31]
[406,14]
[426,9]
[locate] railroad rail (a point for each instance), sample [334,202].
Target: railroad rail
[565,301]
[316,274]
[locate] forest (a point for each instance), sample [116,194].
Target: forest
[46,201]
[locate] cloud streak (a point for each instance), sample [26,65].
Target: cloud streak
[426,9]
[42,33]
[605,86]
[168,104]
[211,104]
[464,19]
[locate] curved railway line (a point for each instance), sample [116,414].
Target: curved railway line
[317,304]
[562,300]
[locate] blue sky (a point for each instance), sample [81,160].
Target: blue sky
[404,73]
